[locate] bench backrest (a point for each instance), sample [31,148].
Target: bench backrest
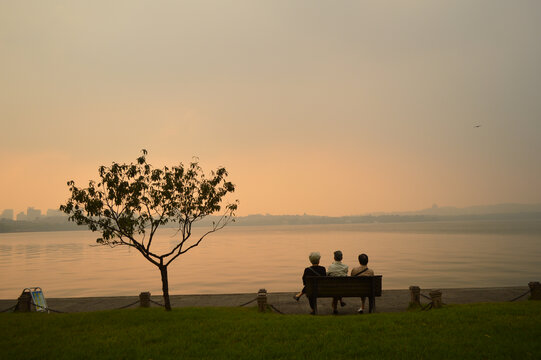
[346,286]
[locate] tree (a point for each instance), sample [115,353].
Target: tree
[131,201]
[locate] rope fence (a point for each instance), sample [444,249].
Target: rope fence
[157,303]
[435,296]
[8,309]
[518,297]
[275,309]
[261,299]
[262,302]
[249,302]
[14,307]
[127,306]
[144,301]
[49,309]
[26,304]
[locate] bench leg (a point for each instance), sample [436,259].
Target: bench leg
[371,304]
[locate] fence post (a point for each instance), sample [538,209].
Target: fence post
[436,298]
[415,293]
[24,302]
[262,300]
[535,290]
[144,299]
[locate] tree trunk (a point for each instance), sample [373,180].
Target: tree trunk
[165,288]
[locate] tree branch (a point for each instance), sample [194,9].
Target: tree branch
[215,228]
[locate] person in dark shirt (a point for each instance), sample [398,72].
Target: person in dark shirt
[314,270]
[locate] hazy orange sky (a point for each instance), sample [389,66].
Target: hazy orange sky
[319,107]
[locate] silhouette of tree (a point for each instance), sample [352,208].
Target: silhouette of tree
[131,201]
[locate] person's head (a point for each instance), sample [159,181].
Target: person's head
[314,258]
[338,255]
[363,259]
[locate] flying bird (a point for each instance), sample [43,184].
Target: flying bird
[477,126]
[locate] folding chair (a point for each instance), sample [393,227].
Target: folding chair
[38,299]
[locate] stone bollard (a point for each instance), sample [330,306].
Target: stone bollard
[436,298]
[24,302]
[415,293]
[535,290]
[144,299]
[262,300]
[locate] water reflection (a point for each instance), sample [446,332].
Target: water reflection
[244,259]
[5,255]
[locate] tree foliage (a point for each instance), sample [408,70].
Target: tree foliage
[131,201]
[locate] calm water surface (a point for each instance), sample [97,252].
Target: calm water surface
[245,259]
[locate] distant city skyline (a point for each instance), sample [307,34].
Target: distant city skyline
[319,107]
[33,213]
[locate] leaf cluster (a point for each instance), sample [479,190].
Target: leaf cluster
[130,201]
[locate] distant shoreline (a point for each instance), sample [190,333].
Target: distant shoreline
[490,223]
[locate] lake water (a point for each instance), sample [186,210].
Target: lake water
[245,259]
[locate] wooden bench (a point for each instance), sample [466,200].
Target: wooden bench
[344,286]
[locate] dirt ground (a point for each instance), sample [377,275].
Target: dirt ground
[390,301]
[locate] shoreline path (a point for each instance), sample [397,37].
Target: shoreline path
[390,301]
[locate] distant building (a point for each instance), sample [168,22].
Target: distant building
[21,216]
[53,212]
[7,214]
[33,214]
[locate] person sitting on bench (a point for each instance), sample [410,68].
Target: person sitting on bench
[362,270]
[337,268]
[314,270]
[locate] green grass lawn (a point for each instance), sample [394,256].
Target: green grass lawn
[481,331]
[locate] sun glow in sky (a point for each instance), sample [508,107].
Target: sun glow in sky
[319,107]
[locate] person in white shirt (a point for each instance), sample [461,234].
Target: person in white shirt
[337,268]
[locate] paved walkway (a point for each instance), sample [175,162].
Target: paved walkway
[390,301]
